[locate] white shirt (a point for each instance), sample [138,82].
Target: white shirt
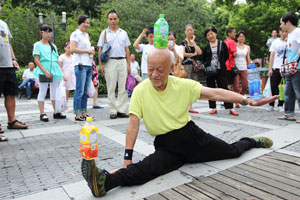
[293,43]
[240,58]
[118,41]
[134,68]
[278,47]
[145,48]
[28,74]
[83,42]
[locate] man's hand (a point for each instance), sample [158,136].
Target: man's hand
[102,70]
[128,68]
[127,162]
[15,64]
[144,32]
[261,102]
[270,73]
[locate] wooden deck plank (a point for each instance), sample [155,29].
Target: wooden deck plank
[229,190]
[155,197]
[277,166]
[268,181]
[191,193]
[288,166]
[287,157]
[259,185]
[267,174]
[252,191]
[173,195]
[262,165]
[203,187]
[212,196]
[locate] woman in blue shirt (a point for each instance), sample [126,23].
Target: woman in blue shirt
[48,71]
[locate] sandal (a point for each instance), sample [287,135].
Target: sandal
[79,119]
[15,125]
[1,130]
[3,138]
[284,117]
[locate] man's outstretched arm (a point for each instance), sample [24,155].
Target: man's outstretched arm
[218,94]
[132,132]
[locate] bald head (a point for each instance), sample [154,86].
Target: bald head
[159,67]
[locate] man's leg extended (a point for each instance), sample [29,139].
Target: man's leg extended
[152,166]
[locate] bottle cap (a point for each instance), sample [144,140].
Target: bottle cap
[89,119]
[161,16]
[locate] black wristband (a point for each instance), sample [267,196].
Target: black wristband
[128,154]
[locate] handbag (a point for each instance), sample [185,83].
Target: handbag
[130,83]
[211,71]
[235,70]
[290,68]
[104,57]
[179,71]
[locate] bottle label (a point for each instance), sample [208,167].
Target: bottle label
[82,138]
[93,137]
[163,29]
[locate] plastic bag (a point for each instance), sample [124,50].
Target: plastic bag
[61,101]
[281,88]
[130,83]
[267,91]
[92,90]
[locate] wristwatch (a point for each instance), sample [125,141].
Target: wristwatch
[244,103]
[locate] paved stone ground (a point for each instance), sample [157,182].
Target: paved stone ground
[45,161]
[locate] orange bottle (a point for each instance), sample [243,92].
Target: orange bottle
[89,140]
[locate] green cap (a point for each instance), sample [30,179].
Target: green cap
[89,119]
[161,16]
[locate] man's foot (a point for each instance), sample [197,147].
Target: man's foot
[16,125]
[233,112]
[44,117]
[113,116]
[263,142]
[3,138]
[298,121]
[280,109]
[1,129]
[270,108]
[94,177]
[122,115]
[213,111]
[59,116]
[288,118]
[237,105]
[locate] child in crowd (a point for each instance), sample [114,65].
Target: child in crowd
[65,62]
[145,48]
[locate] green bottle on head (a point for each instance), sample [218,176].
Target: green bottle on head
[161,32]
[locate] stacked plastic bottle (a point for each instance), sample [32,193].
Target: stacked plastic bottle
[89,140]
[161,32]
[254,82]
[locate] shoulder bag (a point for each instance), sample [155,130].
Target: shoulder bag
[289,68]
[104,57]
[179,70]
[42,77]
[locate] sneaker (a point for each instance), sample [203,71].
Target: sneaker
[263,142]
[113,116]
[122,115]
[59,116]
[44,118]
[270,108]
[280,109]
[94,177]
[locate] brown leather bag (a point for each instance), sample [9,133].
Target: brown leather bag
[179,71]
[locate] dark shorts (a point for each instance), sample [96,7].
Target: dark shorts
[8,82]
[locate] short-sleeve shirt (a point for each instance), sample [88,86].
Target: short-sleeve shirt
[117,40]
[278,47]
[271,40]
[67,63]
[164,111]
[135,67]
[5,54]
[145,48]
[28,74]
[231,45]
[293,43]
[48,59]
[83,42]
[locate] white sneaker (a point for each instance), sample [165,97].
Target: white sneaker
[270,108]
[280,109]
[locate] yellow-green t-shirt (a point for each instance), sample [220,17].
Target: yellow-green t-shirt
[164,111]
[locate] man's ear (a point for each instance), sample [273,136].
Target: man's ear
[172,67]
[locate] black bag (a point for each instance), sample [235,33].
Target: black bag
[235,70]
[197,66]
[211,71]
[44,79]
